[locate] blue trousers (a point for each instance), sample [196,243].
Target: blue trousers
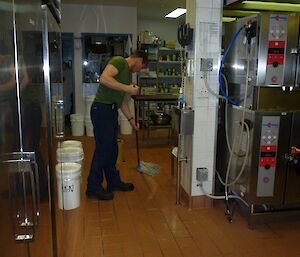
[105,121]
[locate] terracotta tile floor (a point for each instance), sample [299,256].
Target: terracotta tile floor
[147,223]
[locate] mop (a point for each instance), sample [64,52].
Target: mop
[148,168]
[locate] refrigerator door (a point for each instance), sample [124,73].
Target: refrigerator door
[27,210]
[19,175]
[292,194]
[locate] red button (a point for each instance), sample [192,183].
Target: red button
[274,79]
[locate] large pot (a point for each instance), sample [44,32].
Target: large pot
[160,118]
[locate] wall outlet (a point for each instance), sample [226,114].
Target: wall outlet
[206,64]
[202,174]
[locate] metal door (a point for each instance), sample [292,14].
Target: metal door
[292,193]
[27,210]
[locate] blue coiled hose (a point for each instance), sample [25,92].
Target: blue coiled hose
[221,65]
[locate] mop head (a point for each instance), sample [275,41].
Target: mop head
[148,168]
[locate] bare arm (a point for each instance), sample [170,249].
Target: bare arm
[11,84]
[107,79]
[25,79]
[126,111]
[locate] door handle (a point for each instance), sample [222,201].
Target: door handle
[59,119]
[296,52]
[22,168]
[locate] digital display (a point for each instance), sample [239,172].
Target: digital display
[268,154]
[276,51]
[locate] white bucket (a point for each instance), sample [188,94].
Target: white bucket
[71,143]
[69,154]
[89,128]
[77,125]
[88,103]
[68,177]
[125,127]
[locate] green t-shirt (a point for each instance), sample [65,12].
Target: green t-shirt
[107,95]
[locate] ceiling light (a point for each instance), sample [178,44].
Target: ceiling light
[272,6]
[228,19]
[176,13]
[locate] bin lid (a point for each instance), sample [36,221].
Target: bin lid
[69,153]
[71,143]
[68,167]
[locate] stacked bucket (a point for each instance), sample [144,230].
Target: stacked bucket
[79,121]
[69,155]
[77,124]
[87,120]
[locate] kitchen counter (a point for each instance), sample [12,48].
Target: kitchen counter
[151,98]
[155,98]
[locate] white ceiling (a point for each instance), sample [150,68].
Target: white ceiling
[147,9]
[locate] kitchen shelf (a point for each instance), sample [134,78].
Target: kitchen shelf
[161,48]
[143,101]
[169,76]
[148,77]
[171,62]
[167,62]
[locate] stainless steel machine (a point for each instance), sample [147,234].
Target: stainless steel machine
[260,157]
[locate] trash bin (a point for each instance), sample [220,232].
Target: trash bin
[125,127]
[88,104]
[68,177]
[77,122]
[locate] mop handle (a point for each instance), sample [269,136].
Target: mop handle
[137,146]
[136,134]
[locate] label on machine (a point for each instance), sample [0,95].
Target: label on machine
[267,156]
[276,49]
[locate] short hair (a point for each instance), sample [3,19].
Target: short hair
[140,54]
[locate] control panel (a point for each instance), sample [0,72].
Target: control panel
[277,42]
[267,156]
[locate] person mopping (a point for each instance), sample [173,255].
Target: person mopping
[113,92]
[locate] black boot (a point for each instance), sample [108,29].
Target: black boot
[99,194]
[120,186]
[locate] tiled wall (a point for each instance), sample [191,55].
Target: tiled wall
[206,19]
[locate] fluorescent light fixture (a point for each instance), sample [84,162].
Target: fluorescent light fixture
[238,67]
[271,6]
[176,13]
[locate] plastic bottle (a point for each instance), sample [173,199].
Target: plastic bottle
[180,98]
